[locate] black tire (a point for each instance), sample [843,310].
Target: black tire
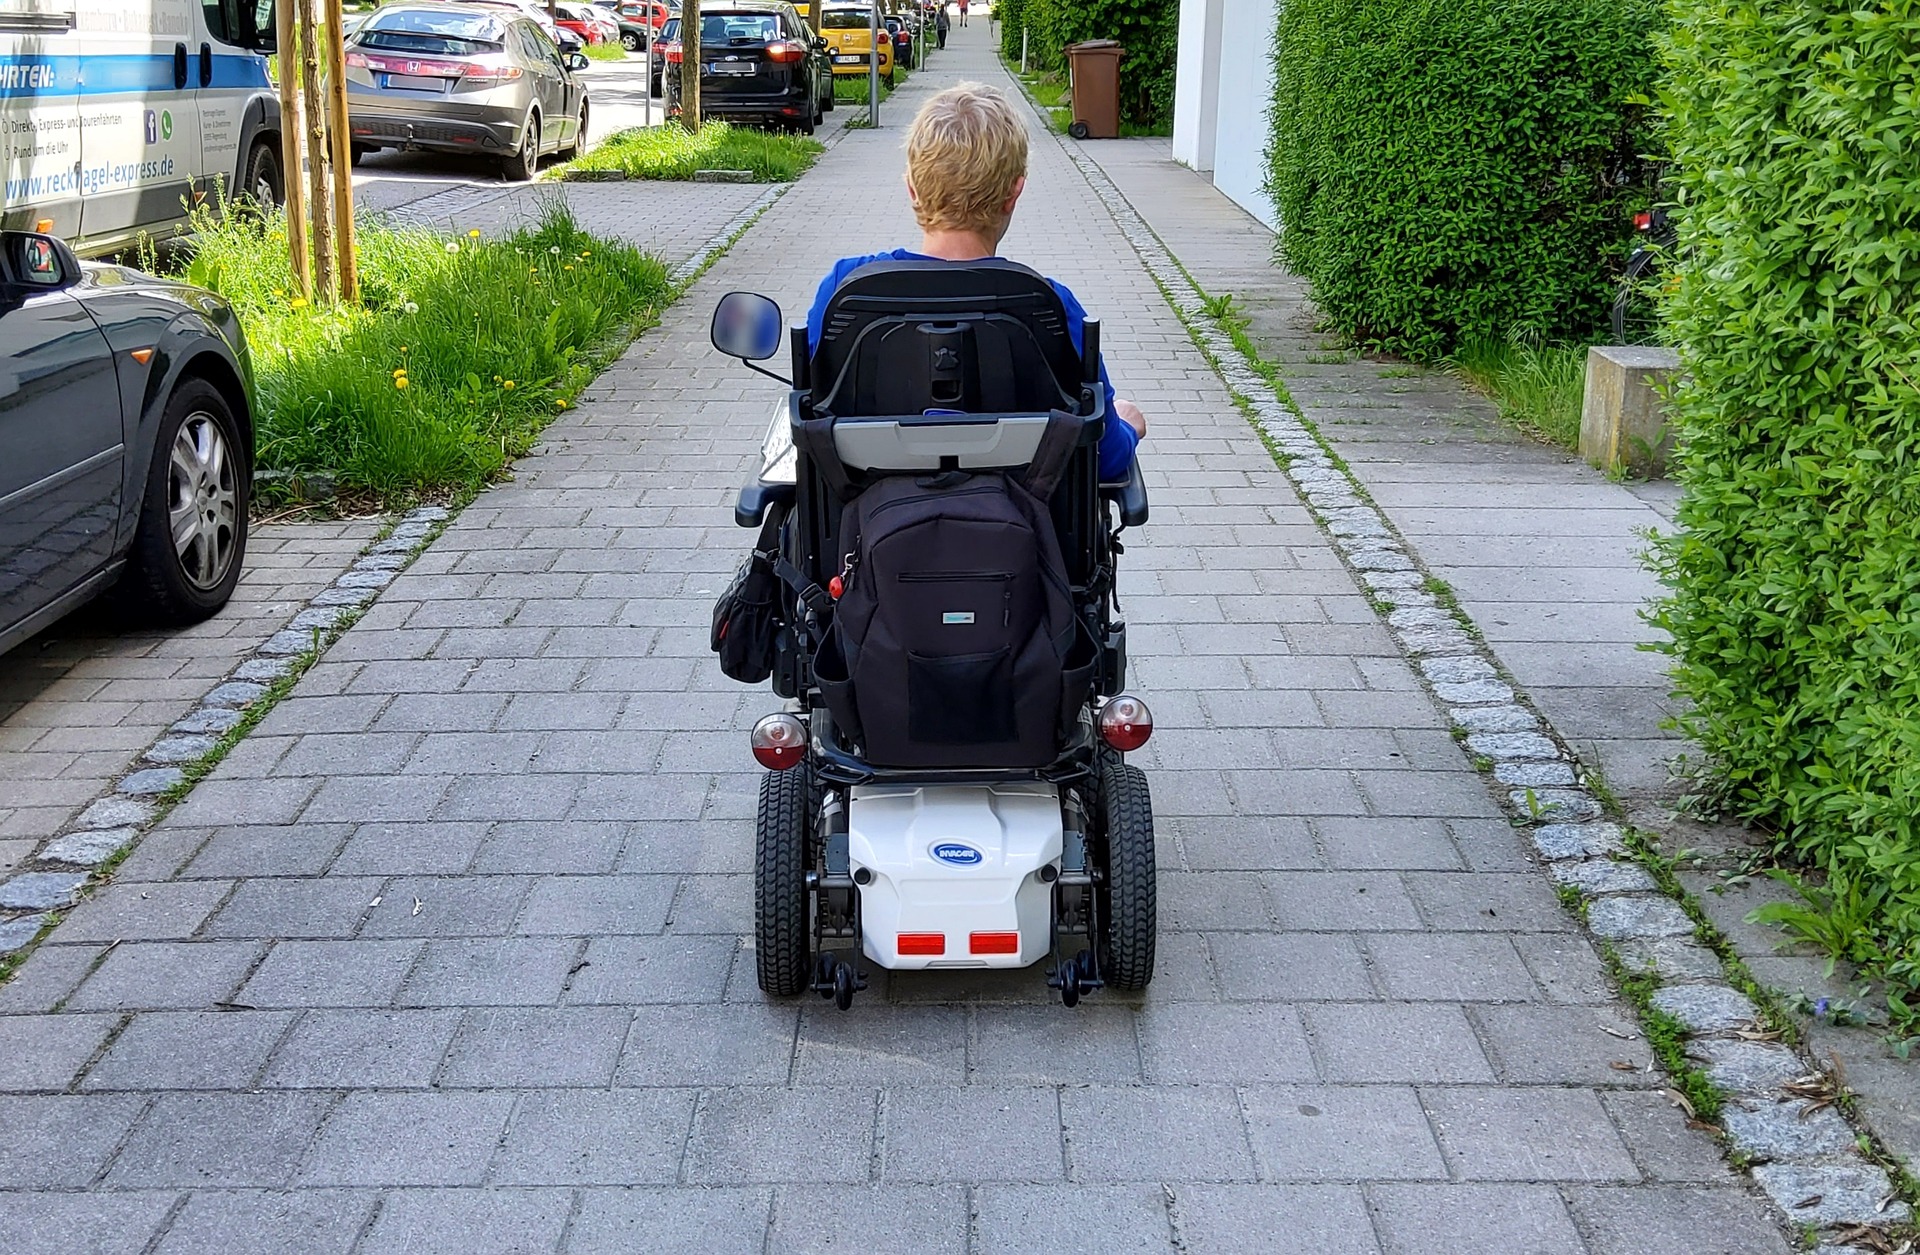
[780,931]
[1079,130]
[163,585]
[630,41]
[525,163]
[826,106]
[356,152]
[1131,912]
[579,134]
[1636,313]
[264,184]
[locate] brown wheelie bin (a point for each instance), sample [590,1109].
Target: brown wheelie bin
[1095,67]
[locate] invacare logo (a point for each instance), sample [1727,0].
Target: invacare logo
[956,853]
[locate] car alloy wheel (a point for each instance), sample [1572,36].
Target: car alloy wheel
[202,501]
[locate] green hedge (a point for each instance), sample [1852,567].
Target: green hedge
[1454,170]
[1148,29]
[1795,585]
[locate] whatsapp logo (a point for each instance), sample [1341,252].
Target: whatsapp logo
[166,124]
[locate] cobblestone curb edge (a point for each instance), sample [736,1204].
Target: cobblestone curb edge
[1800,1151]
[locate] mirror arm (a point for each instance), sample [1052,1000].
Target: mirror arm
[764,371]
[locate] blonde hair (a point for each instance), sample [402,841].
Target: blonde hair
[965,151]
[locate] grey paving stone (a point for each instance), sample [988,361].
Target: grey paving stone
[41,891]
[1472,692]
[216,1139]
[744,1135]
[972,1133]
[163,975]
[207,721]
[626,971]
[88,848]
[1450,967]
[887,1217]
[1346,1132]
[1554,806]
[1017,1045]
[1746,1067]
[1379,844]
[137,911]
[597,905]
[1671,958]
[1517,902]
[95,1223]
[1706,1008]
[1603,875]
[1675,1220]
[891,1045]
[116,812]
[61,1141]
[47,978]
[725,1221]
[189,1050]
[1474,1220]
[626,1137]
[377,1138]
[331,974]
[1534,775]
[1155,1133]
[16,933]
[1342,901]
[362,1049]
[266,850]
[1395,1041]
[320,908]
[536,1046]
[751,1044]
[1195,1043]
[43,1052]
[482,1222]
[1073,1220]
[1290,1219]
[1566,1045]
[1533,1134]
[1288,967]
[507,971]
[235,694]
[1644,918]
[1832,1193]
[446,906]
[1787,1130]
[287,1222]
[563,845]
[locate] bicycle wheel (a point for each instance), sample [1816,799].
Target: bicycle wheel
[1636,310]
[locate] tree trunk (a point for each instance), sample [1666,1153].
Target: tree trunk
[690,65]
[314,110]
[341,151]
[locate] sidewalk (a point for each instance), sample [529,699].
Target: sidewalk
[450,953]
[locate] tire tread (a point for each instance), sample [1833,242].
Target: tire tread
[1132,879]
[781,940]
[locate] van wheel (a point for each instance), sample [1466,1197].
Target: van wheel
[192,536]
[1131,891]
[264,184]
[524,164]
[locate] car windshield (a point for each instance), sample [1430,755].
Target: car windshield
[425,30]
[736,28]
[670,31]
[844,19]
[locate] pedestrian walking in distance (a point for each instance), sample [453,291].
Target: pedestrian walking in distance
[941,25]
[963,12]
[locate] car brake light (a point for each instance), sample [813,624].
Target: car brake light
[1125,723]
[779,742]
[785,52]
[885,39]
[994,943]
[491,72]
[922,943]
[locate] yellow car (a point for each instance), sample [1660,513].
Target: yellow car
[849,35]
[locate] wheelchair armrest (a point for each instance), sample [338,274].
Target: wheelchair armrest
[1131,494]
[759,497]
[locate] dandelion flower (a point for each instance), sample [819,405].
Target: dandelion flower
[566,267]
[453,246]
[400,382]
[507,384]
[400,373]
[474,234]
[298,302]
[411,308]
[555,250]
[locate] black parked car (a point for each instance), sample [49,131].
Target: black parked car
[667,41]
[126,440]
[761,63]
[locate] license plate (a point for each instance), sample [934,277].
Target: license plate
[856,60]
[733,67]
[416,82]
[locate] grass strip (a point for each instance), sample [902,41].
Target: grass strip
[1537,388]
[459,353]
[669,153]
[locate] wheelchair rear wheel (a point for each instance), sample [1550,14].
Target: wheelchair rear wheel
[780,916]
[1130,921]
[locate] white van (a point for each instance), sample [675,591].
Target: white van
[117,115]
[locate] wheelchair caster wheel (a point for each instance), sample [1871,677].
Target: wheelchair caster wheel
[1073,977]
[837,980]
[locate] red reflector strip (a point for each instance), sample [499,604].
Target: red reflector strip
[995,943]
[923,943]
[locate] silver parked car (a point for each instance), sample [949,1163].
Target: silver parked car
[464,79]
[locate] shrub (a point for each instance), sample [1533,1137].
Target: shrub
[1148,29]
[1458,170]
[1795,582]
[669,152]
[461,350]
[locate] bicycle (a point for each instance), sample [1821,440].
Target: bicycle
[1636,311]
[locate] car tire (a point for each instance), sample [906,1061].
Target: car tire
[264,185]
[356,152]
[630,41]
[525,163]
[573,148]
[198,478]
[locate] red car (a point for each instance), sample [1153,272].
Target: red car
[583,20]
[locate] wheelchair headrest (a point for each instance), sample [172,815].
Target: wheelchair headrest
[908,337]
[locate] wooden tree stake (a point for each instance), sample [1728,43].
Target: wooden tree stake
[292,150]
[341,152]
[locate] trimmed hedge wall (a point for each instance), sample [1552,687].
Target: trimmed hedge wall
[1149,30]
[1454,170]
[1795,602]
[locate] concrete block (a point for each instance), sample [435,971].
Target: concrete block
[1623,418]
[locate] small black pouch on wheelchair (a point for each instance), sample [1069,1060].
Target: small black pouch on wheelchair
[747,616]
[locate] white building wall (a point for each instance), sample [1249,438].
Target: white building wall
[1223,91]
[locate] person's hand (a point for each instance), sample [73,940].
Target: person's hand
[1130,415]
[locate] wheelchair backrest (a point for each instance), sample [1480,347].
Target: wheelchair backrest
[931,337]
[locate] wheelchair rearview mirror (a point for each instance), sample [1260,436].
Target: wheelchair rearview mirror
[747,325]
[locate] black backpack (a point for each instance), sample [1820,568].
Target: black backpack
[953,639]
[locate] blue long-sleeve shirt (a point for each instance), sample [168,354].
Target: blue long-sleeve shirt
[1117,443]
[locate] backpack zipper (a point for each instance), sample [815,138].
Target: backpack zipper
[1003,578]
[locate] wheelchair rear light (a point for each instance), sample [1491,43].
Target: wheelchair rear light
[994,943]
[779,742]
[1125,722]
[922,943]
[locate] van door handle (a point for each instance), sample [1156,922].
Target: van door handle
[180,65]
[206,65]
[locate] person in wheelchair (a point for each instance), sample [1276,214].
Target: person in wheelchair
[966,170]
